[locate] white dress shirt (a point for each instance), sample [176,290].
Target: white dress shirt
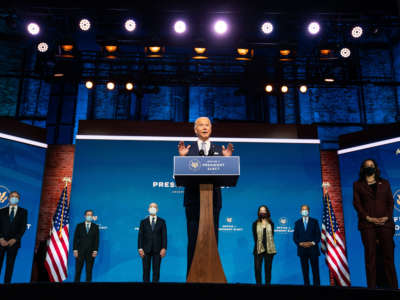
[86,225]
[151,219]
[207,145]
[15,210]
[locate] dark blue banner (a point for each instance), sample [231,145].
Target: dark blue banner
[118,180]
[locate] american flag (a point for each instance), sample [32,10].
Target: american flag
[332,245]
[57,251]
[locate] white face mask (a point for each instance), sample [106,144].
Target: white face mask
[152,210]
[304,213]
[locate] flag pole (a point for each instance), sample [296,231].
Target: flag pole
[66,180]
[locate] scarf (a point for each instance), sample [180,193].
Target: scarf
[269,239]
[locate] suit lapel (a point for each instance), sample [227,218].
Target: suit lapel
[195,148]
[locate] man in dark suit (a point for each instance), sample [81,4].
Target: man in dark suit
[307,235]
[152,243]
[13,221]
[86,246]
[203,146]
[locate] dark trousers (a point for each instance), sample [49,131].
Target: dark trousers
[84,257]
[11,255]
[384,236]
[258,258]
[155,260]
[192,222]
[312,260]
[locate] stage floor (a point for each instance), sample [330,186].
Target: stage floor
[103,290]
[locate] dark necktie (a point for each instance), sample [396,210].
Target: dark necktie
[12,214]
[153,223]
[87,228]
[203,147]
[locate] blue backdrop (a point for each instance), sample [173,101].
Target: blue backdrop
[118,179]
[21,169]
[389,164]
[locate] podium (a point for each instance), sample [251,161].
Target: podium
[206,171]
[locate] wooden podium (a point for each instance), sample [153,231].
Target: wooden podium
[206,171]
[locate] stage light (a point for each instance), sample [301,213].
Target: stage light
[110,85]
[199,53]
[303,88]
[245,53]
[154,50]
[329,79]
[89,84]
[284,52]
[180,27]
[43,47]
[220,27]
[33,28]
[130,25]
[267,27]
[110,50]
[269,88]
[242,51]
[129,86]
[345,52]
[325,51]
[66,49]
[356,32]
[84,24]
[200,50]
[313,28]
[284,89]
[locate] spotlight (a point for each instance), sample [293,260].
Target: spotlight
[110,50]
[345,52]
[313,28]
[269,88]
[89,84]
[110,85]
[154,50]
[327,54]
[286,54]
[129,86]
[43,47]
[199,53]
[84,24]
[66,49]
[284,89]
[356,32]
[33,28]
[245,54]
[220,27]
[303,89]
[130,25]
[180,27]
[329,79]
[267,27]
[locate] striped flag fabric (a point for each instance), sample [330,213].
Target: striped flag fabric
[56,261]
[332,245]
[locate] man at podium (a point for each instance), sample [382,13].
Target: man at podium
[203,146]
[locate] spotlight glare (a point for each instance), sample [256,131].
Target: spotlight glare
[110,85]
[180,27]
[284,89]
[313,28]
[268,88]
[267,27]
[220,27]
[345,52]
[329,80]
[130,25]
[200,50]
[33,28]
[43,47]
[89,84]
[84,24]
[303,89]
[356,32]
[129,86]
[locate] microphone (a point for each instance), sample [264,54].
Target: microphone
[201,152]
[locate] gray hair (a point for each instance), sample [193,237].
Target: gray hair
[195,122]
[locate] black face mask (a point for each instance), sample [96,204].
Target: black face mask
[262,215]
[369,171]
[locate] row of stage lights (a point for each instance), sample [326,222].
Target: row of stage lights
[220,27]
[269,88]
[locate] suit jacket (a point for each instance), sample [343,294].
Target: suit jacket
[312,234]
[192,192]
[86,241]
[367,203]
[16,228]
[152,241]
[254,227]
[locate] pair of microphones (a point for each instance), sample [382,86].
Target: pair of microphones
[210,153]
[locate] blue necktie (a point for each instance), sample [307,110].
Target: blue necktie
[305,224]
[12,214]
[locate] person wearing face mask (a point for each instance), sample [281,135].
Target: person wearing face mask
[373,201]
[306,236]
[86,246]
[264,245]
[202,147]
[13,222]
[152,243]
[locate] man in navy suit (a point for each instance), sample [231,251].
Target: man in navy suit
[307,235]
[203,146]
[152,243]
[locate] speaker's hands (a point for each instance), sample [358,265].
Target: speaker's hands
[183,150]
[228,150]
